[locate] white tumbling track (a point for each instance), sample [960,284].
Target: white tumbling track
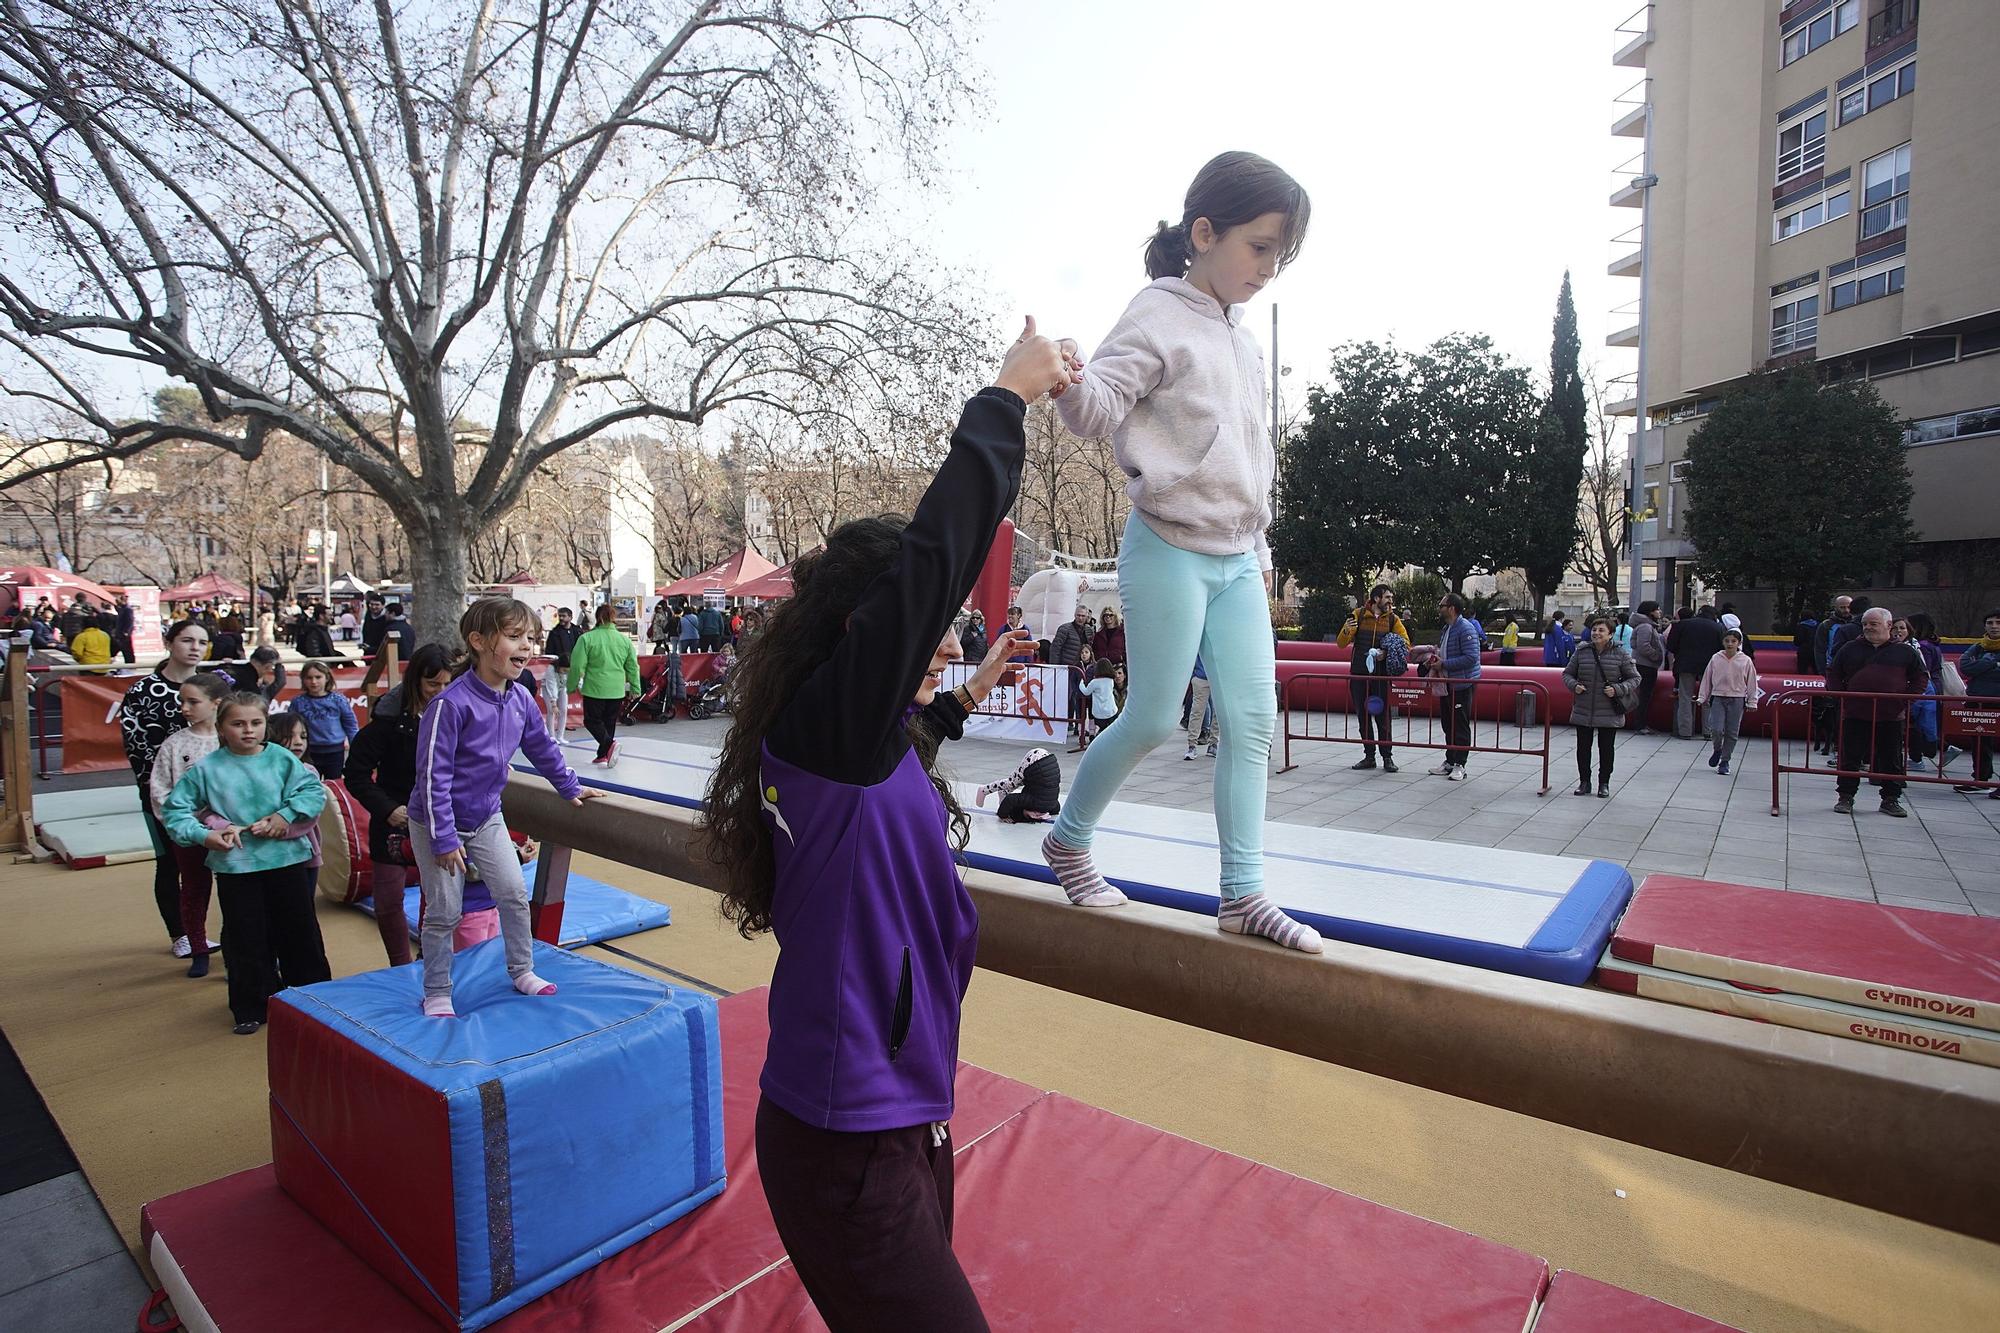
[1523,912]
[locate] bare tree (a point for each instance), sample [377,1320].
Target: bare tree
[1072,492]
[362,224]
[1601,499]
[54,505]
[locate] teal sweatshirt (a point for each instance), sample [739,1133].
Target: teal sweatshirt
[243,788]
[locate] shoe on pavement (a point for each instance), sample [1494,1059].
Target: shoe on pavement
[1442,771]
[1367,763]
[1968,788]
[1722,767]
[1211,750]
[1189,754]
[1389,765]
[1603,791]
[1714,758]
[1844,806]
[1895,810]
[1457,774]
[1582,789]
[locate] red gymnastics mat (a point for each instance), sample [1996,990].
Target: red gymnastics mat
[1578,1304]
[238,1254]
[1893,959]
[1073,1218]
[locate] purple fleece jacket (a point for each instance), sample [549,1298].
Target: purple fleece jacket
[465,745]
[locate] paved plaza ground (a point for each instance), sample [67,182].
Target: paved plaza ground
[1668,812]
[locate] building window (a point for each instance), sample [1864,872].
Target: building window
[1829,25]
[1795,325]
[1878,92]
[1956,426]
[1802,146]
[1882,282]
[1885,192]
[1805,219]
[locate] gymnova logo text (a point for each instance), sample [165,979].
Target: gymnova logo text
[1897,1037]
[1924,1002]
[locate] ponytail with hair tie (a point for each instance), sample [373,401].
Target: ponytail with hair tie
[1167,251]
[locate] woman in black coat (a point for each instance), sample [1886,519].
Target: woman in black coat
[381,771]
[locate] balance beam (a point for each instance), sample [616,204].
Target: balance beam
[1900,1132]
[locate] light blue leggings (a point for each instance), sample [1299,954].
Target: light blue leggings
[1178,603]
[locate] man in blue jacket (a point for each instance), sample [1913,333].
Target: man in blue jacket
[1457,661]
[1558,644]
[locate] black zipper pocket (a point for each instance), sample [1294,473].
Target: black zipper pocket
[899,1018]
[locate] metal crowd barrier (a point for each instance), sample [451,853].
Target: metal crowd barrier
[1971,725]
[1407,700]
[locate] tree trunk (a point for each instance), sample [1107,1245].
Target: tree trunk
[438,547]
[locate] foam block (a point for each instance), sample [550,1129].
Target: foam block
[479,1162]
[1893,959]
[593,911]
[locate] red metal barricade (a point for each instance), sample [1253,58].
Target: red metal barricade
[1970,725]
[1410,699]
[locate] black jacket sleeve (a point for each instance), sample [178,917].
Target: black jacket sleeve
[364,757]
[846,722]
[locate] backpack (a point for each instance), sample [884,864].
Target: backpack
[1395,654]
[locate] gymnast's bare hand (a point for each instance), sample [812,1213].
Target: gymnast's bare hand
[587,794]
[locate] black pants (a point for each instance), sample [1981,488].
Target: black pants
[1872,745]
[121,646]
[711,643]
[866,1219]
[1649,678]
[1458,724]
[1374,725]
[600,719]
[270,936]
[329,760]
[166,872]
[1607,741]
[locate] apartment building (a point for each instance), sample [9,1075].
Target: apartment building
[1824,182]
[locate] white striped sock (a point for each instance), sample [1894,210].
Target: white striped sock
[1078,875]
[1256,914]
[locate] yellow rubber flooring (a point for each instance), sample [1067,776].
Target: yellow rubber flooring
[156,1095]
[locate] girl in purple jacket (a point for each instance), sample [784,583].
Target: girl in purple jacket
[832,828]
[464,744]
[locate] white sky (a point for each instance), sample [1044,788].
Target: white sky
[1457,153]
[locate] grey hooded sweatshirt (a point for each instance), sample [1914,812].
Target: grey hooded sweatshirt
[1178,385]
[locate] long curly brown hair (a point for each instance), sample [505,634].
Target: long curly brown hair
[799,634]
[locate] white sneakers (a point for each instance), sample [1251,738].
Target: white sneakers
[1443,770]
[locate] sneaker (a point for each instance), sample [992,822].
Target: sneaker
[1844,806]
[246,1027]
[1714,758]
[1894,810]
[1442,770]
[1457,774]
[1389,765]
[1723,767]
[1966,787]
[1211,750]
[1190,754]
[611,756]
[181,949]
[1367,763]
[598,761]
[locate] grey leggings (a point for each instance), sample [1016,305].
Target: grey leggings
[1725,720]
[490,853]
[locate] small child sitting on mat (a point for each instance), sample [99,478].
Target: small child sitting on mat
[1032,793]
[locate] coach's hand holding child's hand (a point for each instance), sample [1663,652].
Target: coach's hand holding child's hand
[1034,366]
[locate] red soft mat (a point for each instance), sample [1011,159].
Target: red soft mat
[1578,1304]
[230,1236]
[1897,959]
[1073,1218]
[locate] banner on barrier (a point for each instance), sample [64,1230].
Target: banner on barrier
[91,739]
[1033,706]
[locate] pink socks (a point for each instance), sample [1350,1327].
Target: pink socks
[1077,874]
[1256,914]
[530,984]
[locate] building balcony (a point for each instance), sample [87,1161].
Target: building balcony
[1895,18]
[1631,125]
[1625,337]
[1625,266]
[1635,34]
[1621,397]
[1628,195]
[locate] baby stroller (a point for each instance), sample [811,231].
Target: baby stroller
[663,689]
[708,698]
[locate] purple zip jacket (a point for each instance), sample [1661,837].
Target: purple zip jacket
[876,931]
[465,745]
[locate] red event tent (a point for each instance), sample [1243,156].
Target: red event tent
[25,578]
[777,583]
[206,588]
[740,568]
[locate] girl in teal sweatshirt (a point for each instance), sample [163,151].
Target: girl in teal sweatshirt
[270,932]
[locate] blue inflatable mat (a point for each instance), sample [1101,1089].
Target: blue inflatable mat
[593,912]
[1528,913]
[533,1136]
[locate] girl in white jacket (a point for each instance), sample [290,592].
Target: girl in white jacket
[1178,385]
